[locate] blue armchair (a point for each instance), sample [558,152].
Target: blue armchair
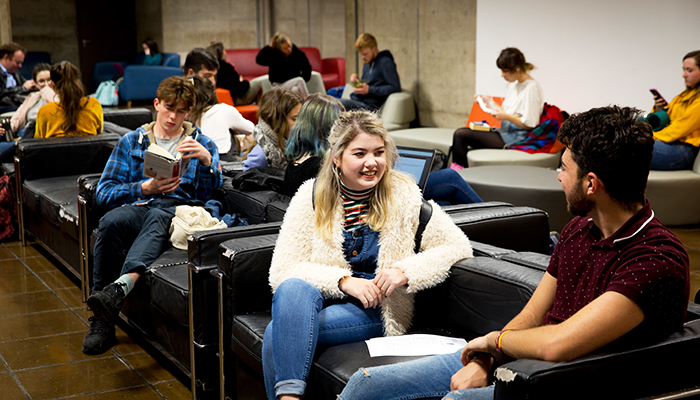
[105,70]
[141,82]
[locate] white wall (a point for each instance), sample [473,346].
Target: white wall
[590,53]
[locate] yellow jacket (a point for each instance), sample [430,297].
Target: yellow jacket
[685,121]
[50,118]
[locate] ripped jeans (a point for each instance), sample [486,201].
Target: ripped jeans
[425,378]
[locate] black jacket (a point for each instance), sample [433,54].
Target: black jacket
[284,68]
[8,96]
[228,78]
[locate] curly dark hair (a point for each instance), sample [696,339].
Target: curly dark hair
[613,143]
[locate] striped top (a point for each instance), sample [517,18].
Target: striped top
[355,204]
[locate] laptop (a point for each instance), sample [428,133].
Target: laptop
[415,162]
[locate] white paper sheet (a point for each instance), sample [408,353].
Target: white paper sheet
[414,345]
[485,107]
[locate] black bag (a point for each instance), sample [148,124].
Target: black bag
[8,209]
[259,178]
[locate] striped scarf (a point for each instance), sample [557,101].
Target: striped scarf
[355,204]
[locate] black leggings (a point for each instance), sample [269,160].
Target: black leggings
[464,138]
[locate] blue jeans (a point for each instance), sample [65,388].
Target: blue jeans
[143,230]
[301,320]
[511,133]
[361,249]
[673,156]
[425,378]
[446,187]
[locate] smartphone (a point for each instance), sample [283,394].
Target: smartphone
[657,95]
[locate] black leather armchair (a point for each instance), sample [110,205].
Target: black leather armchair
[245,298]
[46,187]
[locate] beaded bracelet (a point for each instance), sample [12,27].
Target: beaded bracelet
[498,340]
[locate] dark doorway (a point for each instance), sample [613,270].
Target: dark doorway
[106,32]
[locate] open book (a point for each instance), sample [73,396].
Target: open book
[490,107]
[159,164]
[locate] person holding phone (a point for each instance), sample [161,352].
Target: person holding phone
[520,113]
[676,145]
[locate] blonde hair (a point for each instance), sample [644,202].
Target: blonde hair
[365,41]
[279,39]
[327,192]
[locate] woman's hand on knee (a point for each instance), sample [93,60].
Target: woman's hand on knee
[362,289]
[389,279]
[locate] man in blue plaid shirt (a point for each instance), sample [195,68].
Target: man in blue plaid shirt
[145,206]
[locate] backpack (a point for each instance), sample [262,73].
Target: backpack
[107,93]
[8,209]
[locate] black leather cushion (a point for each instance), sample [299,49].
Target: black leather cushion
[516,228]
[60,207]
[275,210]
[537,261]
[65,156]
[130,118]
[457,208]
[486,250]
[169,286]
[251,205]
[8,169]
[33,190]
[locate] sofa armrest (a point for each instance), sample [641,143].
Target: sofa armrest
[104,70]
[398,111]
[130,118]
[245,264]
[141,81]
[655,369]
[52,157]
[335,65]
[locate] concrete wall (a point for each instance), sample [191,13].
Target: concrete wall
[149,23]
[47,25]
[433,43]
[5,22]
[311,23]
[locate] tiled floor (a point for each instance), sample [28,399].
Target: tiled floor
[43,322]
[42,325]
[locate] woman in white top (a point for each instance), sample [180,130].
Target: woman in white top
[215,119]
[520,113]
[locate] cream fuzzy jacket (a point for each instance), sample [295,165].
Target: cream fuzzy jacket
[301,252]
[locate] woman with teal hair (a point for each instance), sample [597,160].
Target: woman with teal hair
[308,140]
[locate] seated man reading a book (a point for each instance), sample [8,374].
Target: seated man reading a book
[143,207]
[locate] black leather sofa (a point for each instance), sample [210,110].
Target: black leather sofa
[46,173]
[245,297]
[175,305]
[481,295]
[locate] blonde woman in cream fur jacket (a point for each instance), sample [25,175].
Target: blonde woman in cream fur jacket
[315,273]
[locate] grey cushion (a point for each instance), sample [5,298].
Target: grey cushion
[481,157]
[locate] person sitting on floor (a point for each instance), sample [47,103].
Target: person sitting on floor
[379,76]
[276,116]
[676,145]
[289,66]
[617,276]
[142,208]
[242,91]
[217,120]
[74,114]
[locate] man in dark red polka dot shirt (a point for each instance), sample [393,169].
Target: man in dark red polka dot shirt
[616,275]
[616,270]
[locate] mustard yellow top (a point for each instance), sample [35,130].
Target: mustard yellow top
[50,118]
[685,121]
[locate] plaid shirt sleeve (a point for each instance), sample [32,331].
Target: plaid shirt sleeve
[209,178]
[115,187]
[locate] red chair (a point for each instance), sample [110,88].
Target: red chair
[248,112]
